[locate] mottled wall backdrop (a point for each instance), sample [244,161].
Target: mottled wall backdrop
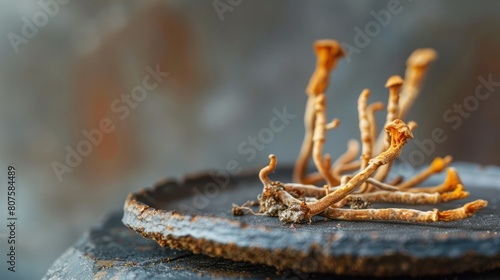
[99,98]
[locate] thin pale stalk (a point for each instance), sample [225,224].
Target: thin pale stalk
[416,68]
[319,140]
[364,129]
[407,215]
[394,85]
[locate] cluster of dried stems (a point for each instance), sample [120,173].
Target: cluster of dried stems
[353,182]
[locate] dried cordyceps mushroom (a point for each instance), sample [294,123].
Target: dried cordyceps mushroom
[299,202]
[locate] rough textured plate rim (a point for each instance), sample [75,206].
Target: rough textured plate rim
[171,228]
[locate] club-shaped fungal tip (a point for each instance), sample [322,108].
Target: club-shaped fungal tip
[399,130]
[394,81]
[331,47]
[421,57]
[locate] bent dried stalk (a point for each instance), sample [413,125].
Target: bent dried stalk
[408,215]
[328,53]
[364,129]
[393,84]
[299,202]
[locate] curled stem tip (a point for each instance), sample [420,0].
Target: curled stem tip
[264,172]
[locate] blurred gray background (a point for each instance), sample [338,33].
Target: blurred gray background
[230,63]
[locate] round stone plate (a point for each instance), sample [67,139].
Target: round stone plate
[195,214]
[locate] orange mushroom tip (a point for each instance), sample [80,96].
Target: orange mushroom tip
[395,80]
[421,57]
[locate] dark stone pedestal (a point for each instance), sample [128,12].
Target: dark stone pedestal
[112,251]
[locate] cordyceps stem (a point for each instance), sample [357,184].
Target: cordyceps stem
[268,169]
[300,170]
[416,67]
[400,133]
[370,113]
[328,53]
[319,140]
[356,181]
[437,166]
[407,215]
[394,85]
[364,128]
[345,159]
